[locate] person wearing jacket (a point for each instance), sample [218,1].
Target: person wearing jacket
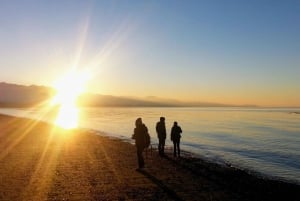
[139,134]
[175,137]
[161,134]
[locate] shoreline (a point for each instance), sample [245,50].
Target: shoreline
[190,154]
[39,161]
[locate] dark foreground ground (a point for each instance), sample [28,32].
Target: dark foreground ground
[41,162]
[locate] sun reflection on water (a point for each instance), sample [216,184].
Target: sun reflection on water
[69,88]
[67,116]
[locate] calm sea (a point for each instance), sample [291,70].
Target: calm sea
[265,141]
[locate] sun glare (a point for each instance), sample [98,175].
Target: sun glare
[68,90]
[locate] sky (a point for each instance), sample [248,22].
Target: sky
[232,52]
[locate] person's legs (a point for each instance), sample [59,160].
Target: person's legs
[178,148]
[174,143]
[141,162]
[163,141]
[159,146]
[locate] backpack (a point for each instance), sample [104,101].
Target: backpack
[147,140]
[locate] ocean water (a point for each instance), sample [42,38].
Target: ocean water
[264,141]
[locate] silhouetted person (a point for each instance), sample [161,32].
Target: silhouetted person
[161,134]
[139,134]
[175,137]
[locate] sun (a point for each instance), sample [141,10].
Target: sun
[68,89]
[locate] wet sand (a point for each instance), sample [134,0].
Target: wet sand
[39,161]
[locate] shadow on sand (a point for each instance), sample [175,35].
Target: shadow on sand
[160,184]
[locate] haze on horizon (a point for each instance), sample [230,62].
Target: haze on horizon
[231,52]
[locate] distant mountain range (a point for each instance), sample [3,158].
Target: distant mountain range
[14,95]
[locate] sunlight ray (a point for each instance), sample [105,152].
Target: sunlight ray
[23,132]
[42,176]
[81,43]
[111,45]
[110,163]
